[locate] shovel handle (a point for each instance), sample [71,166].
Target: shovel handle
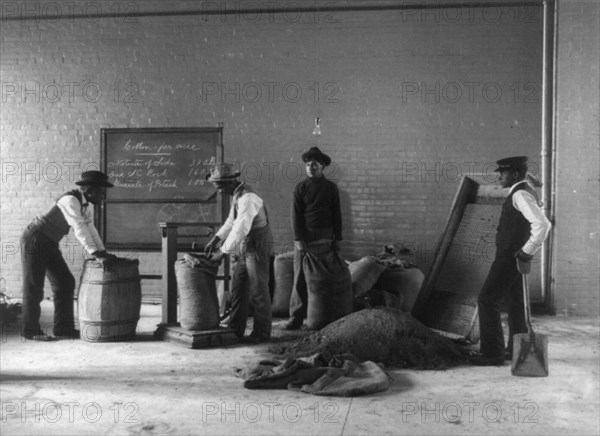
[526,302]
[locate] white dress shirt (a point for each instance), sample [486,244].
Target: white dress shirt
[81,218]
[235,230]
[526,203]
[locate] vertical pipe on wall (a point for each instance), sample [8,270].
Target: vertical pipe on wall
[548,145]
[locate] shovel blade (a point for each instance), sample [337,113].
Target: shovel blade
[530,355]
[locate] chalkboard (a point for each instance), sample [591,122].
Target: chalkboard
[158,175]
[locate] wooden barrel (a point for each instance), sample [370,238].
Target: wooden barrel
[109,301]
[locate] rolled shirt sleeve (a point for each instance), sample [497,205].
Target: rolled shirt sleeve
[248,206]
[525,203]
[82,223]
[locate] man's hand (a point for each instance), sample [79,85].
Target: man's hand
[521,255]
[217,257]
[523,262]
[300,246]
[212,245]
[104,255]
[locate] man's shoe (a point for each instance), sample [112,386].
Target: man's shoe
[40,337]
[293,324]
[253,338]
[67,333]
[487,361]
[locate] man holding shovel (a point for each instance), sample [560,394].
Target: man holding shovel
[522,228]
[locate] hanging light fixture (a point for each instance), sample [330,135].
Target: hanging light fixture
[317,129]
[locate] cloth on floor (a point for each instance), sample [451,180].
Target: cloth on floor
[344,375]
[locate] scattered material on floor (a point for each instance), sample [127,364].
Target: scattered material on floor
[381,335]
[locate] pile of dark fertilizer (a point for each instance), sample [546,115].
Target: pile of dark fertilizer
[382,335]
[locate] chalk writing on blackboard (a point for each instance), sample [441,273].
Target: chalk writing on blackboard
[153,166]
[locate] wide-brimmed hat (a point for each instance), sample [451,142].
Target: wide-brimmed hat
[512,163]
[222,173]
[96,178]
[315,153]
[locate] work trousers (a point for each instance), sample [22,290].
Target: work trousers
[250,282]
[41,257]
[299,297]
[503,283]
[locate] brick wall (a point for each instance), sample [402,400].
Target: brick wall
[576,250]
[409,101]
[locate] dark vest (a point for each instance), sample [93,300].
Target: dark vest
[53,223]
[513,229]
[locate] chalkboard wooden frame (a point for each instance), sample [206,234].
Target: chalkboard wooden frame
[119,203]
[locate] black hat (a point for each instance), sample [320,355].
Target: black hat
[315,153]
[97,178]
[512,163]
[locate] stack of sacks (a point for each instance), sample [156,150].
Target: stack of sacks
[385,280]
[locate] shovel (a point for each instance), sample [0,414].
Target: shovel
[530,350]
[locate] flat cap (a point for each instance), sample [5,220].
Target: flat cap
[512,163]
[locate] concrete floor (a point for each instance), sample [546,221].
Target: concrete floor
[146,387]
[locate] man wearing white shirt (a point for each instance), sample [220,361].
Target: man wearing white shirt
[41,256]
[522,228]
[246,235]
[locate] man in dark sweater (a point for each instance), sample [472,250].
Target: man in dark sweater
[522,229]
[317,226]
[41,256]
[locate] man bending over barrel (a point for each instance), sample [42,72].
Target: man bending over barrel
[246,235]
[41,256]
